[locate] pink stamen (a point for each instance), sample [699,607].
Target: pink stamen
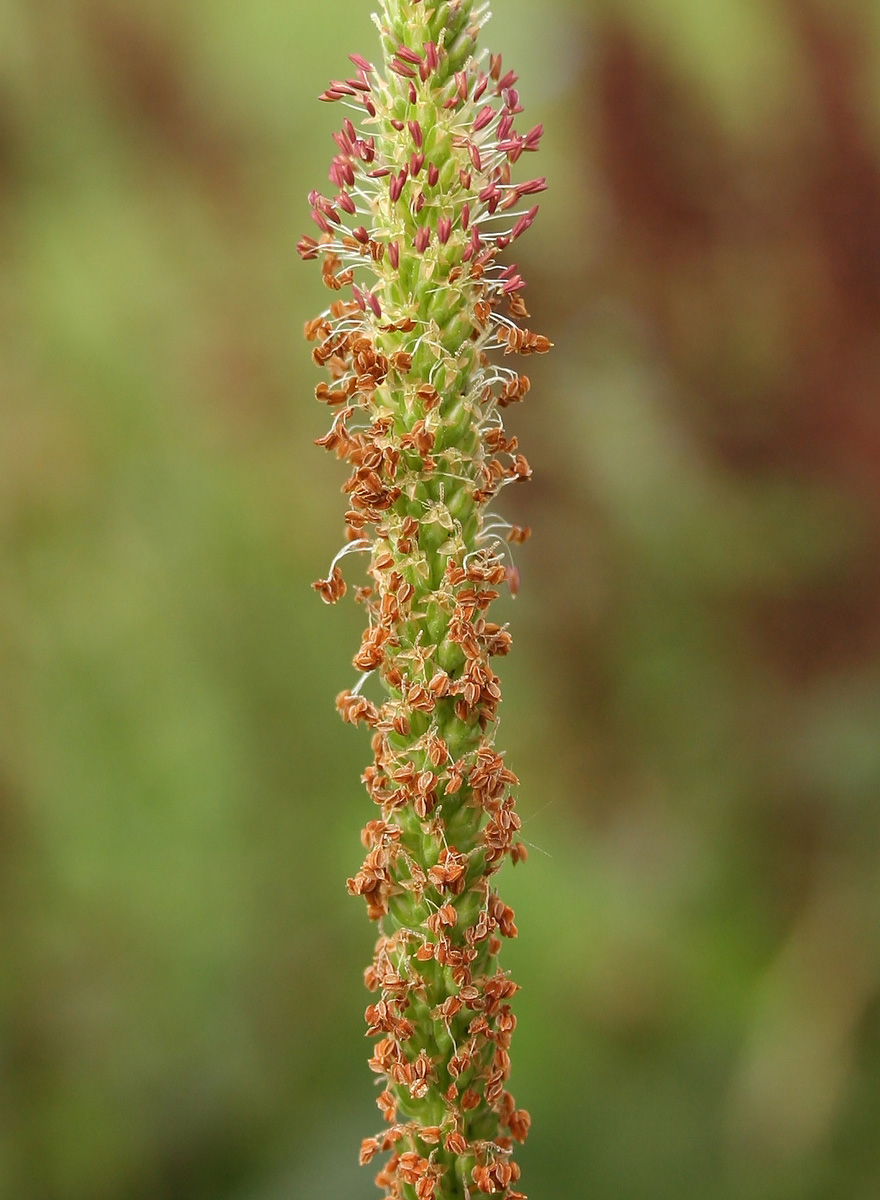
[395,187]
[410,56]
[483,117]
[523,223]
[511,100]
[490,196]
[533,137]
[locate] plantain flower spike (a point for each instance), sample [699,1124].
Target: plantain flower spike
[424,317]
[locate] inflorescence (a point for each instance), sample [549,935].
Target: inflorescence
[424,205]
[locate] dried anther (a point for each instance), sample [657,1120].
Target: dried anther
[331,589]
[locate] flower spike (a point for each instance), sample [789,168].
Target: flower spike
[413,341]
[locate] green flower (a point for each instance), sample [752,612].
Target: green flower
[413,345]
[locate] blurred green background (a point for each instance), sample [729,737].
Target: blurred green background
[693,704]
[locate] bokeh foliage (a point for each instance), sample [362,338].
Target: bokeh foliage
[693,703]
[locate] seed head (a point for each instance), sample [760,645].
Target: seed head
[414,343]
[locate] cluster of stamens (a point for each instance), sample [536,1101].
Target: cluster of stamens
[410,241]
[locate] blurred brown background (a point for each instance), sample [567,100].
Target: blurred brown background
[693,704]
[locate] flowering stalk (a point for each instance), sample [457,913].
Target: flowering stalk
[424,204]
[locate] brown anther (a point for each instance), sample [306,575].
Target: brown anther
[428,395]
[482,310]
[371,652]
[518,534]
[469,995]
[449,1009]
[519,1124]
[449,871]
[387,1105]
[331,589]
[439,684]
[520,469]
[516,307]
[438,752]
[369,1148]
[411,1166]
[456,1143]
[518,853]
